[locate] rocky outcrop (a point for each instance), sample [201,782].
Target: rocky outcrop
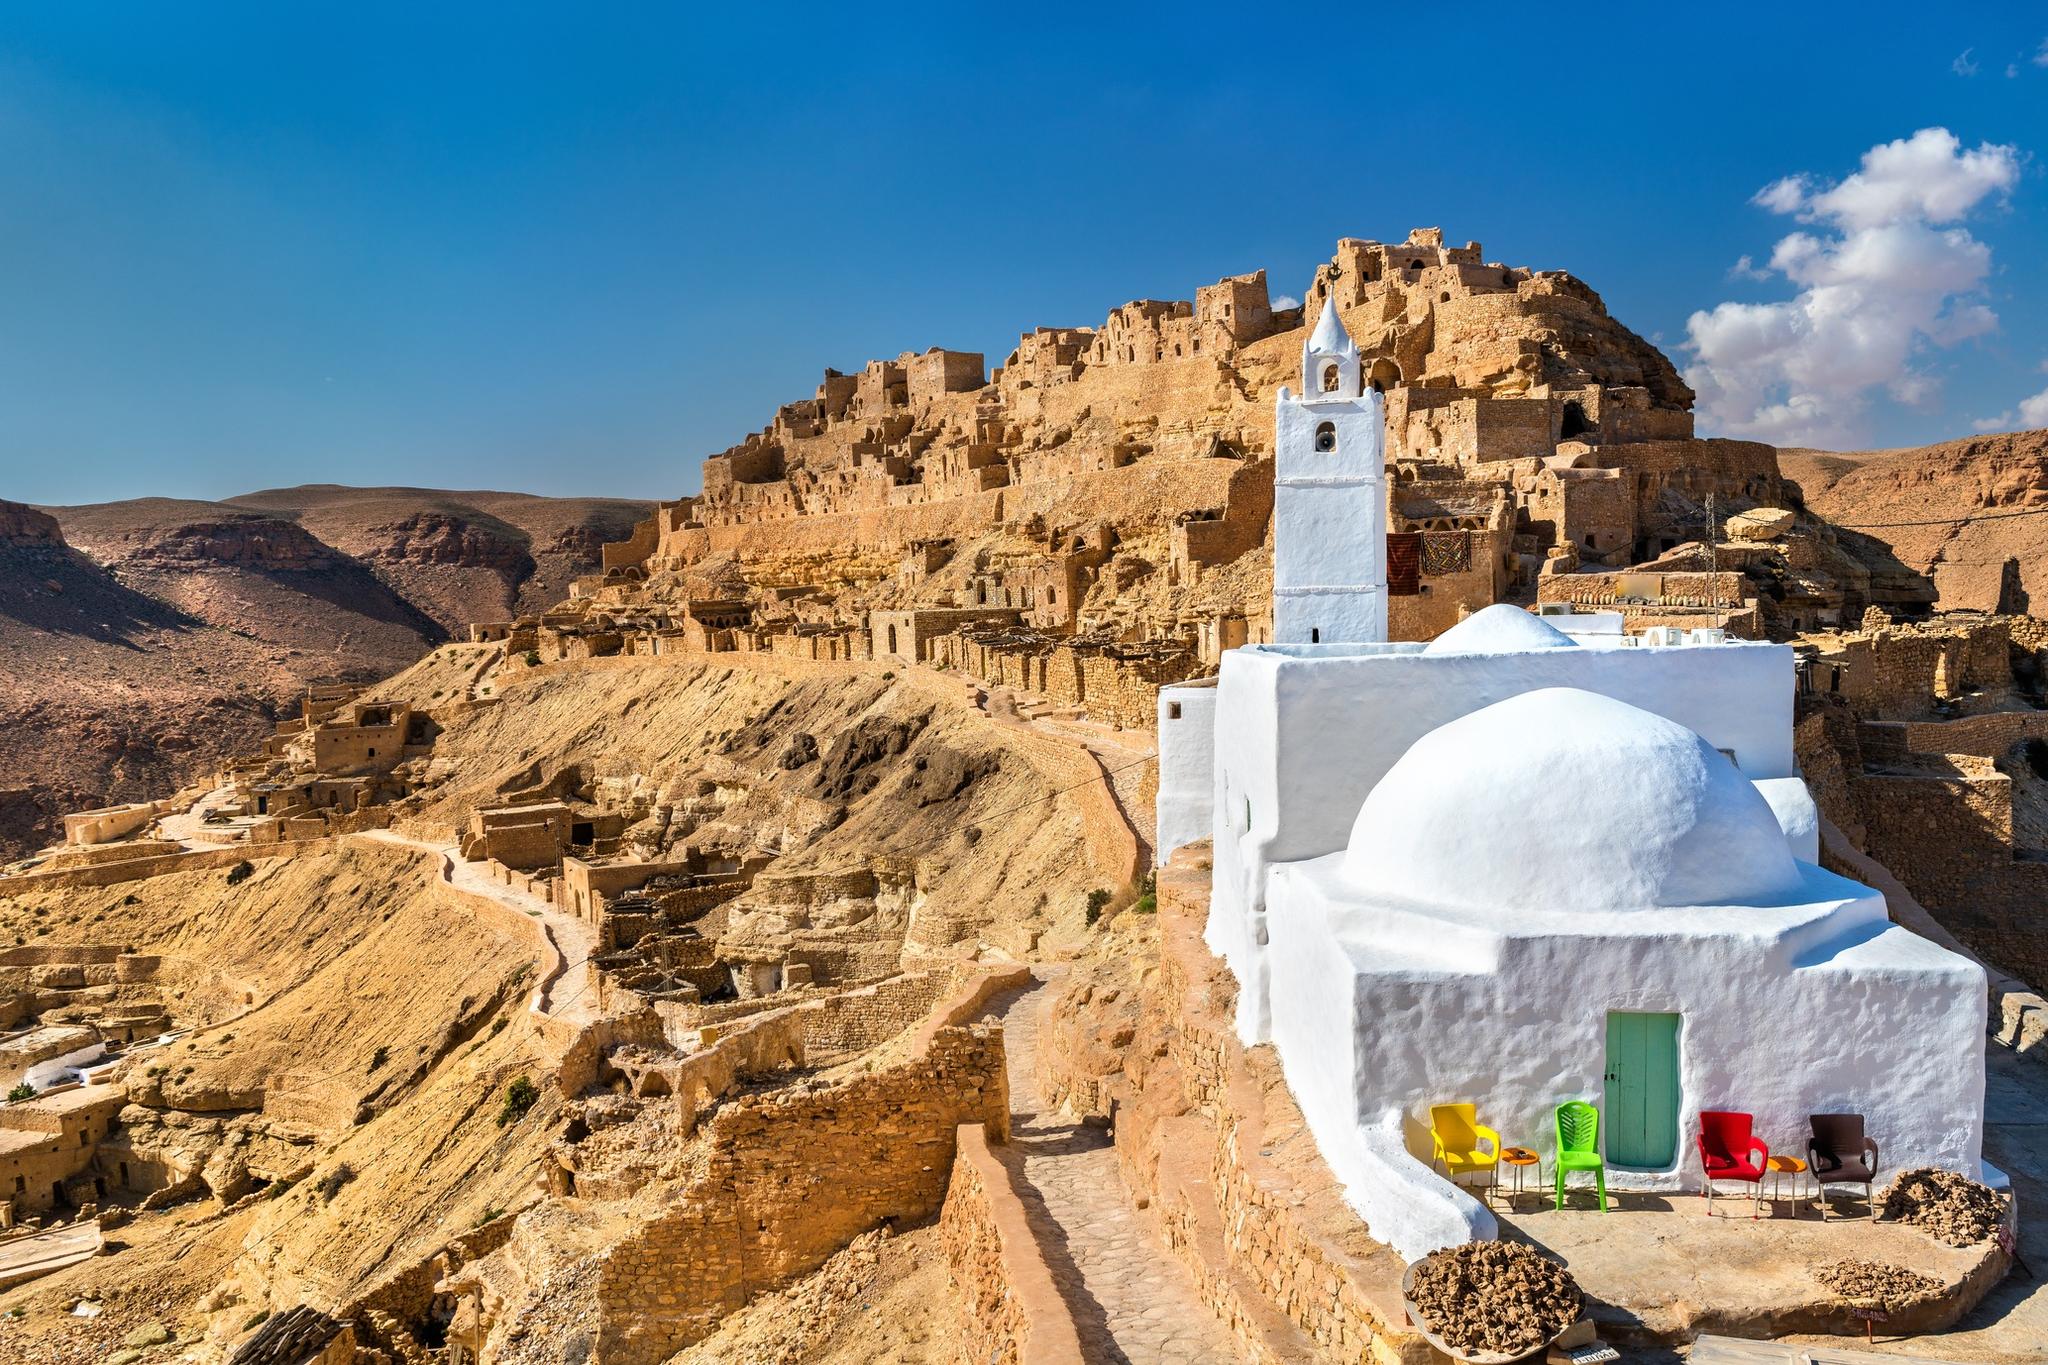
[1960,512]
[444,539]
[258,543]
[21,525]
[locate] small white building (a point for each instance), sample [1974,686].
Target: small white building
[1515,866]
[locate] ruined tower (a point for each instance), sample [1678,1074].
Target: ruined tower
[1329,508]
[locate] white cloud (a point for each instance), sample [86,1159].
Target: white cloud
[1286,301]
[2041,53]
[2034,411]
[1962,65]
[1782,196]
[1884,272]
[1745,268]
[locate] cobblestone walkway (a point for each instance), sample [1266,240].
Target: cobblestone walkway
[1131,1300]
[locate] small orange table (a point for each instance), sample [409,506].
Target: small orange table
[1519,1160]
[1781,1166]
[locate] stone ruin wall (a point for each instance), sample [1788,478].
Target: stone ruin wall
[1969,876]
[881,1144]
[1898,673]
[1010,1308]
[1985,736]
[1887,775]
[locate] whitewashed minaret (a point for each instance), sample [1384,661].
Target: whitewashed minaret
[1329,502]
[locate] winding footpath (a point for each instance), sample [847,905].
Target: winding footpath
[1131,1301]
[569,995]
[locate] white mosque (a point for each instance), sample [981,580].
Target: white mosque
[1517,866]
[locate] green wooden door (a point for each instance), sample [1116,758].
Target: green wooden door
[1641,1122]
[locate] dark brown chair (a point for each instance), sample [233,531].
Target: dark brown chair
[1839,1154]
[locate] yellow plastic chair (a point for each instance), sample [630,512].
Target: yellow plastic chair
[1464,1145]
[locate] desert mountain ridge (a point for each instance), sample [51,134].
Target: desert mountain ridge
[143,639]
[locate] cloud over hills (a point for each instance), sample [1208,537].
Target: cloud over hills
[1885,273]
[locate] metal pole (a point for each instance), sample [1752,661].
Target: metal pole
[1713,552]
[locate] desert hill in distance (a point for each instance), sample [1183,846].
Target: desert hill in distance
[1915,499]
[140,640]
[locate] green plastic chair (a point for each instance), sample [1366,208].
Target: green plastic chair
[1578,1146]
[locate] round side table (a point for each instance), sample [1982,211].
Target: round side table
[1779,1167]
[1519,1161]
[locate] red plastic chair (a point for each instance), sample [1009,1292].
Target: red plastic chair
[1729,1151]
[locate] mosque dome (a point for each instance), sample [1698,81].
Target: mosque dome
[1561,799]
[1499,629]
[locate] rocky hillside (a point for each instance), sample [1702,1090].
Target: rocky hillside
[1909,499]
[141,640]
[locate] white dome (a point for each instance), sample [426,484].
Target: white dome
[1499,629]
[1567,800]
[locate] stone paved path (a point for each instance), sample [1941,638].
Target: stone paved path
[1131,1300]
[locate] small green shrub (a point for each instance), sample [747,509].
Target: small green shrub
[256,1321]
[1097,899]
[490,1215]
[533,658]
[520,1096]
[21,1092]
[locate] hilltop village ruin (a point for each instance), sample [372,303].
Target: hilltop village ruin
[860,846]
[1085,517]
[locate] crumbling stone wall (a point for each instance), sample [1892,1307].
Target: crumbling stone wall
[1950,838]
[881,1145]
[1900,672]
[858,1019]
[1987,736]
[1011,1312]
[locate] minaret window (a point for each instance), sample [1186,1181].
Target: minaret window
[1330,377]
[1326,438]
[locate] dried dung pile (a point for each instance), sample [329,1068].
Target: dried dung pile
[1894,1286]
[1944,1205]
[1494,1296]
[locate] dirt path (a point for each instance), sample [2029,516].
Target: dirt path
[569,996]
[1131,1300]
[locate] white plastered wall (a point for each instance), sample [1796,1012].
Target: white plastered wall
[1185,806]
[1302,735]
[1329,520]
[1381,1010]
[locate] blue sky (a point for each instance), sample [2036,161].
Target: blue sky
[575,249]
